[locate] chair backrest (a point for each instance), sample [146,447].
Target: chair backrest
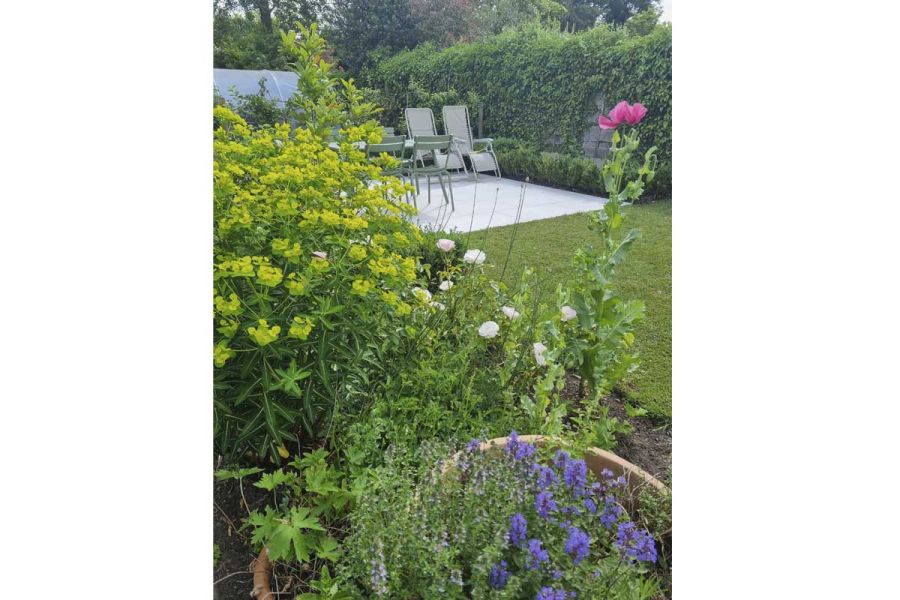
[432,142]
[438,145]
[456,123]
[388,130]
[419,121]
[393,148]
[392,139]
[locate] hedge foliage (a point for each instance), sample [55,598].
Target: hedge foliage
[538,84]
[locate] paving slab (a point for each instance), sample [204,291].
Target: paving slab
[492,202]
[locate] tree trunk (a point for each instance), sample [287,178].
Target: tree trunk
[265,13]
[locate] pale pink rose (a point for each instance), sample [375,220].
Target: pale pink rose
[445,245]
[510,312]
[445,285]
[539,349]
[489,329]
[568,313]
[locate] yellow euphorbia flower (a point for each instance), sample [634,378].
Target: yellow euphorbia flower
[296,284]
[269,276]
[229,307]
[362,287]
[228,327]
[300,328]
[319,265]
[264,335]
[357,252]
[221,354]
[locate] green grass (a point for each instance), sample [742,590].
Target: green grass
[548,246]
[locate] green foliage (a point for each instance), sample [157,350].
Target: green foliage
[310,498]
[539,86]
[618,12]
[242,42]
[642,23]
[217,555]
[361,29]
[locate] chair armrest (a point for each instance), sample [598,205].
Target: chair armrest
[487,142]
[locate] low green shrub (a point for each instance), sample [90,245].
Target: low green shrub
[556,170]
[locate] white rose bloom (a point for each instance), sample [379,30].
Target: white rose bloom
[474,256]
[539,349]
[568,313]
[320,254]
[445,245]
[438,305]
[445,285]
[510,312]
[489,329]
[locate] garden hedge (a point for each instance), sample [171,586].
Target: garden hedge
[538,85]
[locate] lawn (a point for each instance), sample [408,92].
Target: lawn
[547,246]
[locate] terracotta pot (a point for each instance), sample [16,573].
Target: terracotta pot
[596,460]
[262,570]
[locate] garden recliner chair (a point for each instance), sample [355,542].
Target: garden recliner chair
[456,123]
[439,147]
[419,122]
[395,146]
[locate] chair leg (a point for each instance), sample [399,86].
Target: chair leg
[450,185]
[443,189]
[428,178]
[496,164]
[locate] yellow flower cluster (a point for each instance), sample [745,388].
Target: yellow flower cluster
[229,307]
[264,335]
[300,328]
[269,276]
[356,252]
[221,354]
[282,193]
[362,287]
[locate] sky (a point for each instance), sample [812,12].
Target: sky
[667,11]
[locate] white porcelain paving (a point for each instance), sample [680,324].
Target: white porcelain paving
[475,207]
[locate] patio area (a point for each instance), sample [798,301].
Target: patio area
[476,208]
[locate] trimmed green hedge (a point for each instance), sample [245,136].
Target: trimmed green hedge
[519,160]
[536,84]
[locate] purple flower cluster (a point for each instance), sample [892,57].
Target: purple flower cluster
[518,529]
[536,555]
[545,476]
[544,504]
[473,445]
[519,450]
[549,593]
[611,512]
[575,475]
[635,543]
[578,545]
[499,575]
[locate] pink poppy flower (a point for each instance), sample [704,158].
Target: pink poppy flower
[622,113]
